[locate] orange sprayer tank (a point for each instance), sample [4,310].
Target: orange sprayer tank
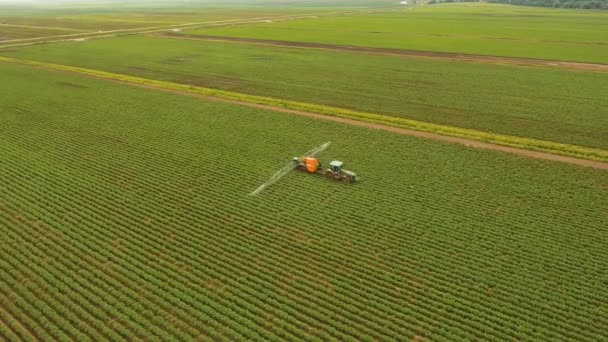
[312,164]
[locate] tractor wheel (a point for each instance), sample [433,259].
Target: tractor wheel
[329,174]
[345,179]
[301,167]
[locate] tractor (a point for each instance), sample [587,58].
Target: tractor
[335,171]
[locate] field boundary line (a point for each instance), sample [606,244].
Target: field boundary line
[47,28]
[421,54]
[134,31]
[541,149]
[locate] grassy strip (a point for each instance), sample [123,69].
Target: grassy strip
[499,139]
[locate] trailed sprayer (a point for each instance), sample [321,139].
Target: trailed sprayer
[335,171]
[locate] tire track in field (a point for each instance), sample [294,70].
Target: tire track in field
[46,28]
[185,26]
[367,124]
[399,52]
[126,32]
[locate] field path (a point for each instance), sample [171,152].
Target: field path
[399,52]
[139,30]
[46,27]
[158,29]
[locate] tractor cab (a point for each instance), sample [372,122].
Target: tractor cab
[336,166]
[336,172]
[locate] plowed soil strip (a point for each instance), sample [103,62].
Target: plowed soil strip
[354,122]
[399,52]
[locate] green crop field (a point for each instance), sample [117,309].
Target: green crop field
[113,21]
[550,104]
[96,22]
[125,215]
[129,163]
[570,35]
[115,15]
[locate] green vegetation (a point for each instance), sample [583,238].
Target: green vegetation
[112,21]
[114,15]
[22,32]
[126,211]
[546,104]
[475,29]
[518,142]
[125,215]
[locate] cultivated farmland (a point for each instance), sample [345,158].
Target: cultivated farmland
[543,103]
[127,166]
[486,30]
[11,32]
[403,253]
[114,15]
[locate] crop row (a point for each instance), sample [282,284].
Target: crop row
[126,226]
[147,214]
[494,138]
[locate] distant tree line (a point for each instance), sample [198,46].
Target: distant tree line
[586,4]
